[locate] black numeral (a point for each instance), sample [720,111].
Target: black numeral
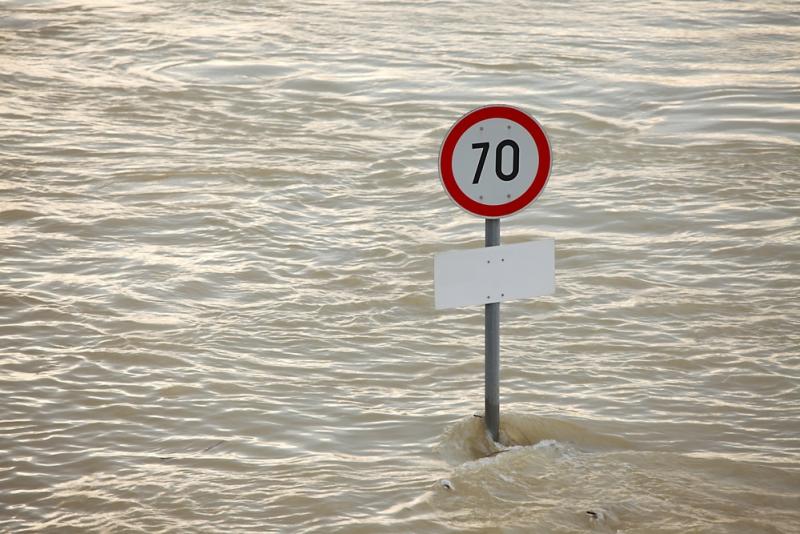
[498,160]
[484,150]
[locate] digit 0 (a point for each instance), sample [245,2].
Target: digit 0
[498,160]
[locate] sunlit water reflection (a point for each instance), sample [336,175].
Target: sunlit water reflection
[216,301]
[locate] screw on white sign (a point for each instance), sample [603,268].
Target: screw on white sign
[495,161]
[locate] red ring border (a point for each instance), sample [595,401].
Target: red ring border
[449,144]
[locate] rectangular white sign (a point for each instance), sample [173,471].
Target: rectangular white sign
[494,274]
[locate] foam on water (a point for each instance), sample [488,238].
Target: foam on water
[597,482]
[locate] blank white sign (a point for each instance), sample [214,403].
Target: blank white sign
[494,274]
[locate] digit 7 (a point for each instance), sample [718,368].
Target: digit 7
[484,150]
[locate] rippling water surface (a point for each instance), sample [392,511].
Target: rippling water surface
[216,255]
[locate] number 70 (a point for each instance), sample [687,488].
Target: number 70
[498,160]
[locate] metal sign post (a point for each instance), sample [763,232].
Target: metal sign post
[494,161]
[492,348]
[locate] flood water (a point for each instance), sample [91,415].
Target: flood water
[216,268]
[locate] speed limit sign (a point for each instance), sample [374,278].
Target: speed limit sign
[495,161]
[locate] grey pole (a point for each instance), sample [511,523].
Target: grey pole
[492,348]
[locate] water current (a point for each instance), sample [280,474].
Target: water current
[218,222]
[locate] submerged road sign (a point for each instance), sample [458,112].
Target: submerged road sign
[495,161]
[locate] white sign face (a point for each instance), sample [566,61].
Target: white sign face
[495,161]
[494,274]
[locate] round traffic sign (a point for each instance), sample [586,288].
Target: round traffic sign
[494,161]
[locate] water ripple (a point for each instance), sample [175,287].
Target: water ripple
[216,247]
